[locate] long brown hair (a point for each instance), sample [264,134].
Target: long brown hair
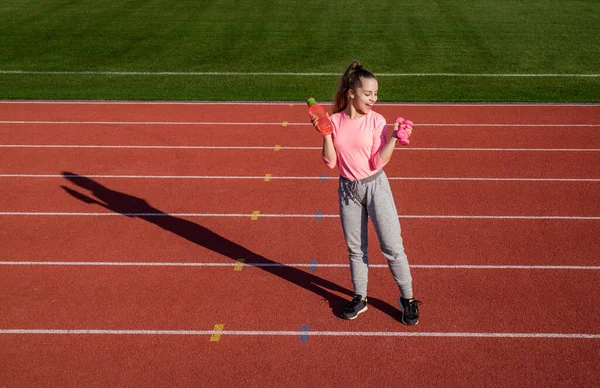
[351,80]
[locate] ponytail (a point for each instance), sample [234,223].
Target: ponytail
[351,80]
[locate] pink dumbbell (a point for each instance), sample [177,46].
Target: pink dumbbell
[402,134]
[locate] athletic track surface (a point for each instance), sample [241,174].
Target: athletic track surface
[198,244]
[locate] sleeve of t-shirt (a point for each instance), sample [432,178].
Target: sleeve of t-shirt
[379,141]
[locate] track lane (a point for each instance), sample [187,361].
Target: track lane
[297,241]
[296,112]
[244,196]
[286,298]
[75,361]
[240,162]
[468,135]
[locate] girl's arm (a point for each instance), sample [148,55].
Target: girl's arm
[388,149]
[328,151]
[329,154]
[383,147]
[383,156]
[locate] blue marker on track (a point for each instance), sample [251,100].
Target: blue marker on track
[304,329]
[319,215]
[313,265]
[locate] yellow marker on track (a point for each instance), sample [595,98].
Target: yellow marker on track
[239,265]
[255,215]
[277,147]
[267,177]
[217,336]
[284,124]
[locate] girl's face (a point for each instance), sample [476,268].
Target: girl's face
[363,98]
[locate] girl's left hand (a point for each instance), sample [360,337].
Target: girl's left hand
[401,127]
[407,125]
[402,130]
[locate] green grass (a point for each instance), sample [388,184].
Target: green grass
[488,36]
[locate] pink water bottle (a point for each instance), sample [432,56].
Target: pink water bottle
[317,111]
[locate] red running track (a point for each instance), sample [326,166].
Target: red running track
[501,234]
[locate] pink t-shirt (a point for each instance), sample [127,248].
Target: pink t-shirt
[357,144]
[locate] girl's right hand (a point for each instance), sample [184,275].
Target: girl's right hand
[314,121]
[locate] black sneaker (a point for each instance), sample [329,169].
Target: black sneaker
[357,306]
[410,311]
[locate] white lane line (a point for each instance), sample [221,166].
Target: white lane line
[496,179]
[279,124]
[266,215]
[295,265]
[289,74]
[271,148]
[297,333]
[148,123]
[497,149]
[301,103]
[272,177]
[150,147]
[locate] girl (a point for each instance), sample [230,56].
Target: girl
[360,147]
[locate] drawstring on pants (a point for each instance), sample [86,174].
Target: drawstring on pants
[350,187]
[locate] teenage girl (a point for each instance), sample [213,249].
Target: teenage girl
[360,147]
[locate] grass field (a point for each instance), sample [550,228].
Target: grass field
[69,49]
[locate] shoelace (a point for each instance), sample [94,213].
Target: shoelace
[355,301]
[412,308]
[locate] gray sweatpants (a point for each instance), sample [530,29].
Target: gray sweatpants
[359,200]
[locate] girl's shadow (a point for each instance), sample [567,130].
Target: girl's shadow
[131,206]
